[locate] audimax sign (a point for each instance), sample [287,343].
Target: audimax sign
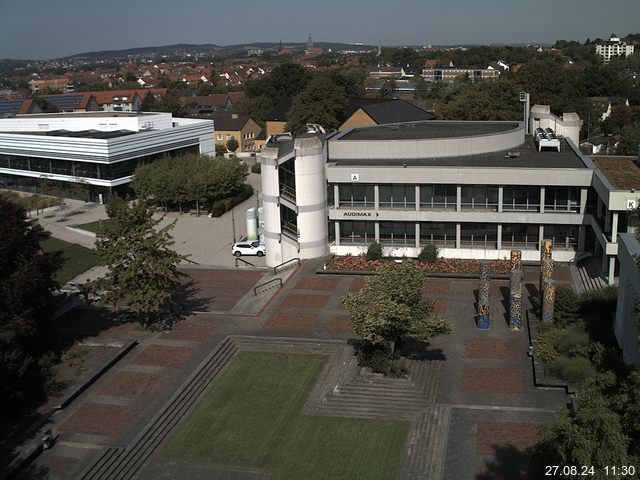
[359,214]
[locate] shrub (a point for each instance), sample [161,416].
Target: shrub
[374,252]
[567,306]
[380,360]
[572,341]
[574,370]
[546,343]
[255,168]
[429,254]
[218,208]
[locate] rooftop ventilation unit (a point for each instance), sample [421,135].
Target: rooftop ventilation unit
[547,139]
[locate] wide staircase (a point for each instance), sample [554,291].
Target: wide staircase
[589,271]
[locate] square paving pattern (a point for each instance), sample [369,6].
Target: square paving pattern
[298,300]
[289,321]
[220,289]
[99,419]
[318,283]
[190,331]
[493,348]
[133,384]
[163,356]
[493,380]
[493,435]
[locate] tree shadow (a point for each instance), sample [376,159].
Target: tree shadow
[420,350]
[509,463]
[505,292]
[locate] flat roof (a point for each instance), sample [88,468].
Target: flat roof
[97,134]
[622,172]
[525,156]
[428,130]
[89,114]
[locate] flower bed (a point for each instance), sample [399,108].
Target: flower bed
[359,263]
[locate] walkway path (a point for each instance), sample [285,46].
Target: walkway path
[469,399]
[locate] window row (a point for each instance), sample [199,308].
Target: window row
[472,235]
[444,197]
[110,171]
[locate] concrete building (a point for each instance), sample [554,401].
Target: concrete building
[474,189]
[450,74]
[614,47]
[626,325]
[90,155]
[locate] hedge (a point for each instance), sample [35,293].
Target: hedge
[219,207]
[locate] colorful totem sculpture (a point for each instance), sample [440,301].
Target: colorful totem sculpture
[516,260]
[483,296]
[548,301]
[515,297]
[547,266]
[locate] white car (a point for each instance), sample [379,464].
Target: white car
[248,248]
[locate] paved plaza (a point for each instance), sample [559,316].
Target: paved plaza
[470,397]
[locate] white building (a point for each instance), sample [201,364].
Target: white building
[614,47]
[97,151]
[474,189]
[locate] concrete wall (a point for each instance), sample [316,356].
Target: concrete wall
[626,322]
[427,148]
[567,126]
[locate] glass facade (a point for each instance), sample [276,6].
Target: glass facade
[479,197]
[361,196]
[564,237]
[289,222]
[441,234]
[287,179]
[397,196]
[398,233]
[520,236]
[521,198]
[479,235]
[357,233]
[562,199]
[438,196]
[72,168]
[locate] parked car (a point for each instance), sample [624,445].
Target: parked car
[248,248]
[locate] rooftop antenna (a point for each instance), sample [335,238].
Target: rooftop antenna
[524,98]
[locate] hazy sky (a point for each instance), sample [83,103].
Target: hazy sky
[50,29]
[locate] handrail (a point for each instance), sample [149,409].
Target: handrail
[255,289]
[275,269]
[243,261]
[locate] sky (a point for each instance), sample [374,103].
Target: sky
[44,29]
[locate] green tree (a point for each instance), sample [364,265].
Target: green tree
[286,80]
[320,102]
[592,435]
[388,89]
[149,103]
[232,144]
[482,100]
[26,283]
[630,141]
[391,307]
[142,268]
[256,108]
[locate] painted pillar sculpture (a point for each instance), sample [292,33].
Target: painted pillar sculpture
[515,306]
[548,301]
[483,296]
[546,272]
[516,260]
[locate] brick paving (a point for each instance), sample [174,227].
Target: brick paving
[99,419]
[318,283]
[493,380]
[490,348]
[163,356]
[190,330]
[133,384]
[298,322]
[484,385]
[298,300]
[220,290]
[339,324]
[494,435]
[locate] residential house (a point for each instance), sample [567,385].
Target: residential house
[365,112]
[241,127]
[450,74]
[73,102]
[18,106]
[60,83]
[206,105]
[125,100]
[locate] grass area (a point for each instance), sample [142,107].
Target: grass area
[76,259]
[94,226]
[31,201]
[252,418]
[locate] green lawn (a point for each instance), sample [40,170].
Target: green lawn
[77,259]
[252,417]
[94,226]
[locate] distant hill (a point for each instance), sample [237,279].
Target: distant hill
[208,49]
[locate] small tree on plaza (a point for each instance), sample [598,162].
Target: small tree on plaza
[232,144]
[391,308]
[143,272]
